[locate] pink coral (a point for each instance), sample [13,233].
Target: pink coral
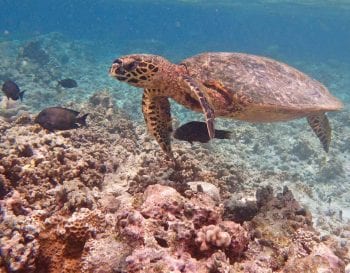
[168,228]
[131,225]
[227,235]
[212,235]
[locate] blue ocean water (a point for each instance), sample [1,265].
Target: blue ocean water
[301,31]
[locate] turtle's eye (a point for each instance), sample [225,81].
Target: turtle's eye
[131,66]
[117,61]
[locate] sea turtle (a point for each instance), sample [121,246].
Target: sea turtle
[222,84]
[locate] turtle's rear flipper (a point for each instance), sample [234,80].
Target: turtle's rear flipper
[195,87]
[156,111]
[320,125]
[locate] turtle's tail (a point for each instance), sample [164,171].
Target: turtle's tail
[222,134]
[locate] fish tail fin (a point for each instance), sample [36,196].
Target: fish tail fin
[21,94]
[82,120]
[222,134]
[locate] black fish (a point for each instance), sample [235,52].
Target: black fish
[68,83]
[198,131]
[11,90]
[59,118]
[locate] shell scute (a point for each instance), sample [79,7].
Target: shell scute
[262,81]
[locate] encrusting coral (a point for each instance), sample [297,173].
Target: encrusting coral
[103,199]
[19,234]
[285,239]
[186,231]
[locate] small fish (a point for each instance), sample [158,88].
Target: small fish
[59,118]
[11,90]
[68,83]
[198,131]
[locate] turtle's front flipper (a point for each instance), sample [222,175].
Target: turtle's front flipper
[195,87]
[156,111]
[320,125]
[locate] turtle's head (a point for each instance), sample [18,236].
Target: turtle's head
[141,70]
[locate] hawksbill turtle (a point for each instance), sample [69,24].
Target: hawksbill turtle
[221,84]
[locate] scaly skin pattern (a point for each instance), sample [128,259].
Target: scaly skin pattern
[322,129]
[232,85]
[156,111]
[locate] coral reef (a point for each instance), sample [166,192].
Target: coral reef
[33,51]
[19,233]
[11,109]
[185,231]
[285,240]
[72,203]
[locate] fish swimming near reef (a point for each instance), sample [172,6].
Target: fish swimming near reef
[12,91]
[68,83]
[59,118]
[198,131]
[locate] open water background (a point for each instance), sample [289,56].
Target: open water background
[312,31]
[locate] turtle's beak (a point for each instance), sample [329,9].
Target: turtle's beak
[117,70]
